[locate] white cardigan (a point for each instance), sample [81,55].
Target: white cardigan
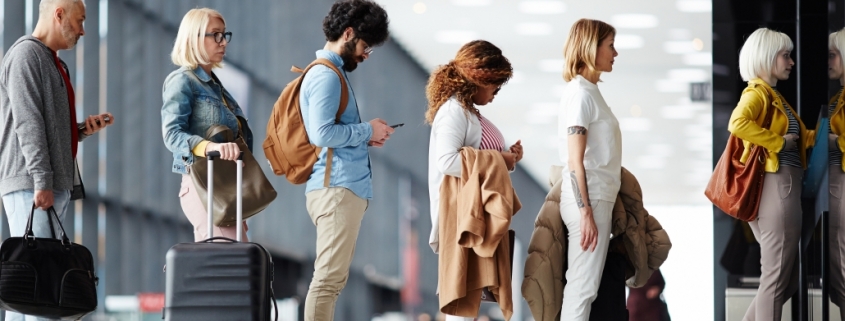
[453,127]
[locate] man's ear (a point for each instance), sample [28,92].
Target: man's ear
[348,34]
[59,14]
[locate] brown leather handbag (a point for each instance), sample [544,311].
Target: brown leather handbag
[735,188]
[258,193]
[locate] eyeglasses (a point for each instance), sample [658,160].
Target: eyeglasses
[497,90]
[368,50]
[219,36]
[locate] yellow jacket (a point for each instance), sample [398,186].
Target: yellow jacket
[837,122]
[747,120]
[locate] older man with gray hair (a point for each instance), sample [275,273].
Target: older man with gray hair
[39,133]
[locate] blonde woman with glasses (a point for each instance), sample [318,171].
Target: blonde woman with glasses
[194,100]
[591,149]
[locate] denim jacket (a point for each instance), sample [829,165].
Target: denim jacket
[191,104]
[319,100]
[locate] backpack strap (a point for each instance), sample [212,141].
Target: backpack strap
[344,100]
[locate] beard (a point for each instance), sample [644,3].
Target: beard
[70,37]
[347,53]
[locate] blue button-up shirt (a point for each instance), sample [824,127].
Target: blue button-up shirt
[320,99]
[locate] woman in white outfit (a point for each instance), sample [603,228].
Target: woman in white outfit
[454,92]
[591,149]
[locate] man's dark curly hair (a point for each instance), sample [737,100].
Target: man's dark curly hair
[367,18]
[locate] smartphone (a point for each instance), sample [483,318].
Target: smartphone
[397,125]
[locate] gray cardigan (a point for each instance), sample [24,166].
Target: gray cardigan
[35,128]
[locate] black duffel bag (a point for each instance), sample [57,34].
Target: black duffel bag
[47,277]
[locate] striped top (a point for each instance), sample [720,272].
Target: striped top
[491,137]
[834,154]
[790,157]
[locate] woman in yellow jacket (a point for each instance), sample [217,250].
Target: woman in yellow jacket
[764,60]
[836,44]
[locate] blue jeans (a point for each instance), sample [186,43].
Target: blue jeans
[18,205]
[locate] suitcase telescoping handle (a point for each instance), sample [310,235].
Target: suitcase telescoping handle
[239,196]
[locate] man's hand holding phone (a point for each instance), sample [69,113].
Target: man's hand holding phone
[381,132]
[95,123]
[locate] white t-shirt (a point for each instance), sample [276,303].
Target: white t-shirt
[582,105]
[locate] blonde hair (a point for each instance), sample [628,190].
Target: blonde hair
[759,52]
[581,46]
[836,41]
[188,49]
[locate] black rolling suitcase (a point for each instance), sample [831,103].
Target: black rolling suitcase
[224,280]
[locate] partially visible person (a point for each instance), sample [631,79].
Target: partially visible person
[455,92]
[337,200]
[646,303]
[590,146]
[836,170]
[194,99]
[763,61]
[40,134]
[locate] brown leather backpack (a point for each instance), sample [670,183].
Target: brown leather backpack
[287,146]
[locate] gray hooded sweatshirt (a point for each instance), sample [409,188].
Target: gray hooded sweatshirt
[35,123]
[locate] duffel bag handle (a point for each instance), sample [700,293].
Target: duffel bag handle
[51,213]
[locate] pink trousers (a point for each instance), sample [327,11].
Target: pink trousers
[195,211]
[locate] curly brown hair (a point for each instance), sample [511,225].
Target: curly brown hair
[477,63]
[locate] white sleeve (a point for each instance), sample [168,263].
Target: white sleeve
[578,110]
[450,127]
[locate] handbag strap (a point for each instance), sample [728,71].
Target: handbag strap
[214,130]
[51,214]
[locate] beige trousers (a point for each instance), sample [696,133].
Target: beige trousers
[837,237]
[337,214]
[778,230]
[198,216]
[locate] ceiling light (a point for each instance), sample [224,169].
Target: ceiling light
[471,3]
[680,34]
[678,112]
[678,47]
[419,8]
[698,59]
[634,21]
[689,74]
[694,5]
[542,7]
[551,65]
[534,29]
[697,44]
[623,41]
[671,86]
[455,36]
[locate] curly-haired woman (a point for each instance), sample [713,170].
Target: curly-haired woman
[591,151]
[454,92]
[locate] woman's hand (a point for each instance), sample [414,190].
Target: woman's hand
[510,160]
[589,231]
[516,148]
[790,142]
[228,151]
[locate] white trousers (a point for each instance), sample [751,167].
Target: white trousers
[584,273]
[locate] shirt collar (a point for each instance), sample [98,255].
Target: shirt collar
[201,74]
[331,56]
